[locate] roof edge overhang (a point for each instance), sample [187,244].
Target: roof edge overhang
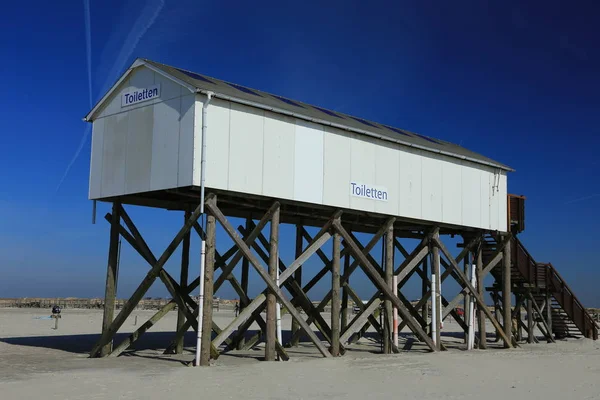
[141,62]
[136,64]
[351,129]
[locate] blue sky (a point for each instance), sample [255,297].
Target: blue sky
[518,83]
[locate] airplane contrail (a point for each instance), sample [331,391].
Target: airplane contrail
[88,45]
[591,196]
[145,20]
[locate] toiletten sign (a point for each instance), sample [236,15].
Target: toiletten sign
[368,191]
[135,96]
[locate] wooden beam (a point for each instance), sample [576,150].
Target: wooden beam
[209,272]
[546,325]
[360,320]
[111,279]
[438,286]
[413,311]
[550,335]
[424,290]
[137,242]
[335,300]
[271,332]
[299,297]
[292,286]
[244,279]
[344,321]
[211,206]
[183,281]
[375,276]
[125,344]
[469,287]
[248,241]
[144,285]
[506,292]
[354,265]
[481,288]
[298,277]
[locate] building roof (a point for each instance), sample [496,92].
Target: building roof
[256,98]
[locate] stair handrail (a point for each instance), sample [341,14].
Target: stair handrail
[551,272]
[584,311]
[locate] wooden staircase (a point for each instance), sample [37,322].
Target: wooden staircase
[569,317]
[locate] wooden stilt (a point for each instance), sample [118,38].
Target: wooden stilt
[530,321]
[466,298]
[181,298]
[517,316]
[209,265]
[144,285]
[549,315]
[438,282]
[374,240]
[264,274]
[463,281]
[424,290]
[271,333]
[335,297]
[183,281]
[506,293]
[497,311]
[298,277]
[245,273]
[389,273]
[291,285]
[376,278]
[345,310]
[481,289]
[111,278]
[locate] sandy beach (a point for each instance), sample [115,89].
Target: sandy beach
[37,361]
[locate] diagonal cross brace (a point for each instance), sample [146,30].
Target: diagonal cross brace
[471,289]
[145,284]
[351,268]
[216,212]
[380,283]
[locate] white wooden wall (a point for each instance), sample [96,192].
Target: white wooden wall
[259,152]
[146,146]
[155,145]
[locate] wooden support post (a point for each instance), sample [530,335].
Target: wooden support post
[298,277]
[530,321]
[438,283]
[547,326]
[506,293]
[517,315]
[209,272]
[424,294]
[344,322]
[466,297]
[463,281]
[376,278]
[347,272]
[271,333]
[481,289]
[244,282]
[389,273]
[335,297]
[143,328]
[151,276]
[185,262]
[111,278]
[549,315]
[245,250]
